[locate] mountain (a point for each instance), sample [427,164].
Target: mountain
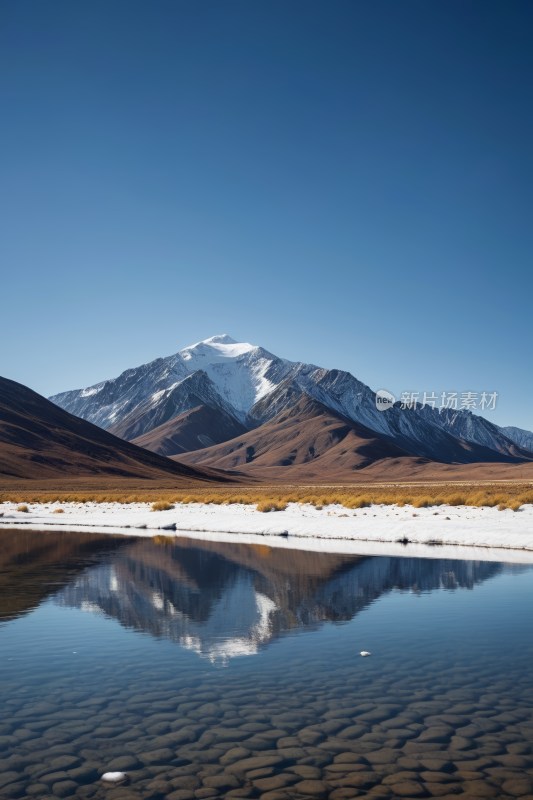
[218,372]
[520,436]
[473,428]
[39,440]
[157,409]
[409,429]
[303,433]
[201,427]
[248,386]
[308,441]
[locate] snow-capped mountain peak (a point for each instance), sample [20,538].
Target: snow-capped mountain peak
[247,384]
[217,347]
[238,369]
[239,374]
[221,338]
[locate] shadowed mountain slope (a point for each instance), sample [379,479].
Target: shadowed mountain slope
[520,436]
[201,427]
[39,440]
[305,432]
[168,404]
[472,428]
[413,430]
[310,442]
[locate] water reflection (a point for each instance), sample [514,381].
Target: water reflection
[34,564]
[216,598]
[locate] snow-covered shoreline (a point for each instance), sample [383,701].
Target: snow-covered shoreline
[454,526]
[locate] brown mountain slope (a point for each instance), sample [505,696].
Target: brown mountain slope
[310,443]
[404,470]
[422,470]
[194,430]
[39,440]
[309,432]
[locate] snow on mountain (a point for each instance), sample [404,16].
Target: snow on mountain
[241,373]
[238,375]
[409,430]
[472,428]
[251,385]
[193,391]
[519,435]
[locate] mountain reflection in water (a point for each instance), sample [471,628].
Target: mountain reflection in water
[219,599]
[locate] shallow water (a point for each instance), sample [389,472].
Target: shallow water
[178,661]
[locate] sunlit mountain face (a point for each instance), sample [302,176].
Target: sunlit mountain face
[218,599]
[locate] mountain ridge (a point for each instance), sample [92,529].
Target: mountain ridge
[250,386]
[308,440]
[519,436]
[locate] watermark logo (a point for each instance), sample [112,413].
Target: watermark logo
[454,401]
[384,400]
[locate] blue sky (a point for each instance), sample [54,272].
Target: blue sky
[348,184]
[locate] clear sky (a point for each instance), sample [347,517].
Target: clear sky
[346,183]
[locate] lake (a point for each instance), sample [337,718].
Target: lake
[204,668]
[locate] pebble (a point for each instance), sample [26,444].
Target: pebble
[190,782]
[343,768]
[53,777]
[307,772]
[518,787]
[256,762]
[37,789]
[352,732]
[84,774]
[313,788]
[311,731]
[64,788]
[438,777]
[351,758]
[222,783]
[113,777]
[479,789]
[123,763]
[160,756]
[358,780]
[408,788]
[385,756]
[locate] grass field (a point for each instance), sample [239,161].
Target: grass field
[503,495]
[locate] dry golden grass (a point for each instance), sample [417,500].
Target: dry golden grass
[271,505]
[58,511]
[161,505]
[23,508]
[504,495]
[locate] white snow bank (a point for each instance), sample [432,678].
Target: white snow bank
[461,526]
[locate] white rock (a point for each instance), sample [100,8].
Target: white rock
[364,653]
[113,776]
